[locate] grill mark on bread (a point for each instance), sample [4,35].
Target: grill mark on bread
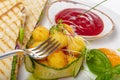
[33,14]
[11,9]
[1,50]
[5,6]
[2,0]
[9,26]
[6,68]
[6,44]
[11,58]
[36,4]
[8,35]
[11,29]
[13,22]
[10,2]
[3,73]
[6,13]
[17,14]
[4,63]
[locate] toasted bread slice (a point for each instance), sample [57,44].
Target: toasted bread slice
[33,11]
[10,23]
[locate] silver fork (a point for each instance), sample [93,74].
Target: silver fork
[39,52]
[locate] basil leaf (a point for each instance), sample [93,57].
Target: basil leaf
[116,77]
[116,69]
[105,76]
[116,72]
[98,62]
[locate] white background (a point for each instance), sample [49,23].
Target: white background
[113,5]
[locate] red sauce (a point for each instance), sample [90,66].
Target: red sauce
[87,24]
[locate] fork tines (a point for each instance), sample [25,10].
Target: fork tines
[45,48]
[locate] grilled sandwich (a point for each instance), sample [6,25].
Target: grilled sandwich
[10,23]
[33,11]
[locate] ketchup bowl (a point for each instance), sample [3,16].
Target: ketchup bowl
[91,25]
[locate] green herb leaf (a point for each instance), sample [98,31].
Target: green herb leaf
[118,49]
[13,71]
[104,76]
[116,69]
[57,27]
[53,29]
[97,62]
[21,34]
[60,21]
[115,77]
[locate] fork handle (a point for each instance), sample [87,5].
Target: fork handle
[10,53]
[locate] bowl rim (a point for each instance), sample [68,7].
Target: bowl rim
[87,5]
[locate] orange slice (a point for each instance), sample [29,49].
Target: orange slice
[112,56]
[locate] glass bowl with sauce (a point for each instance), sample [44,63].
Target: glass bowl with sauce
[91,25]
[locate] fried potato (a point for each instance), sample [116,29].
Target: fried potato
[57,59]
[45,62]
[40,33]
[71,58]
[62,38]
[69,29]
[76,44]
[35,44]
